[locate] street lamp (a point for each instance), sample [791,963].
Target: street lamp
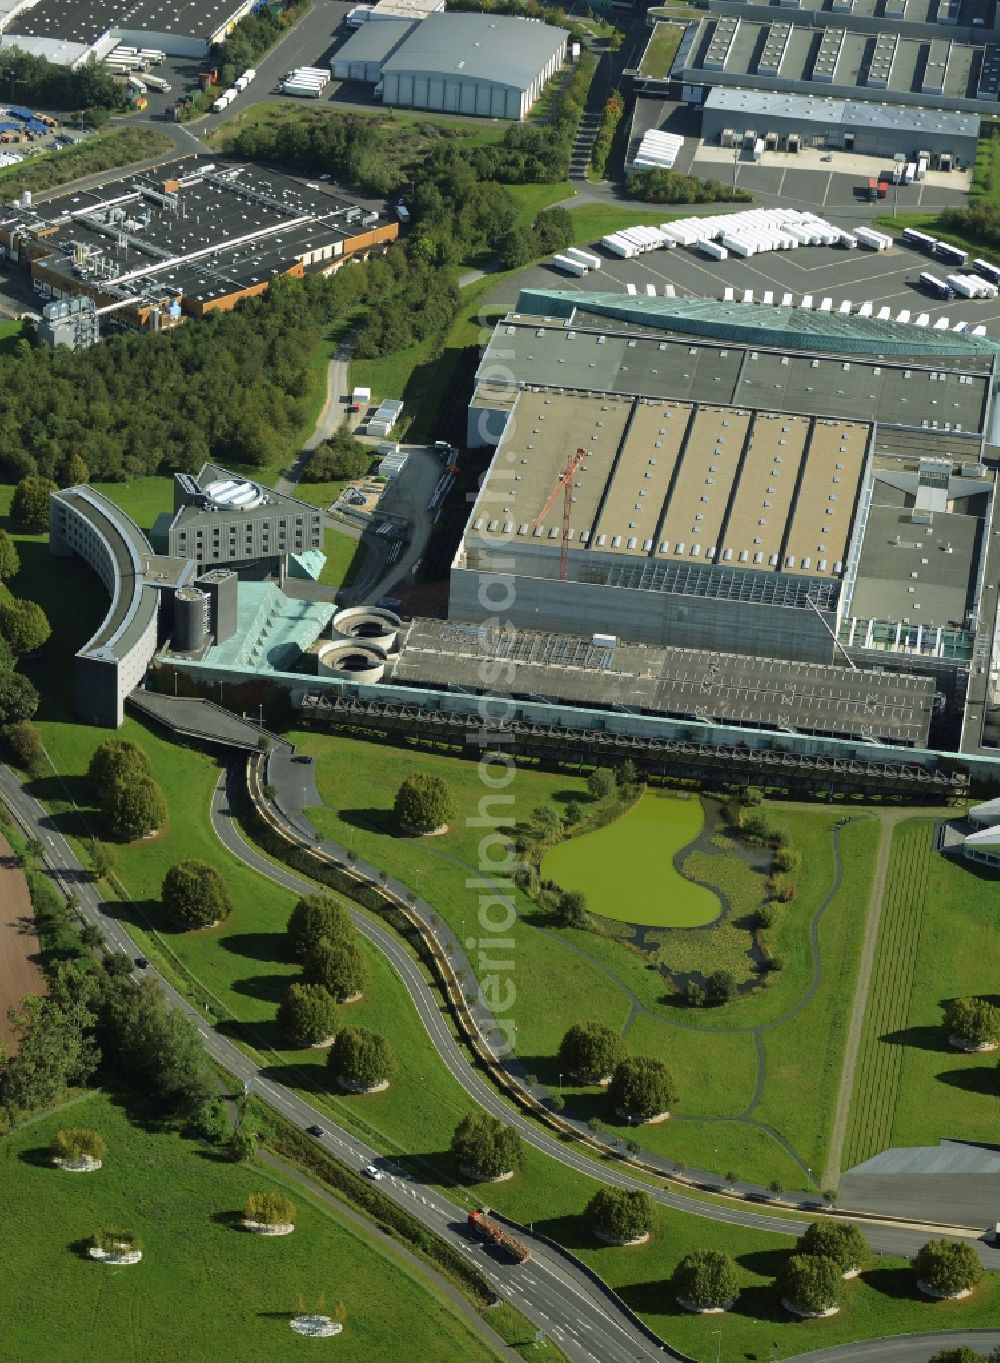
[718,1345]
[560,1083]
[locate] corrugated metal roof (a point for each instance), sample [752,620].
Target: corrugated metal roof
[947,1158]
[852,112]
[484,47]
[374,42]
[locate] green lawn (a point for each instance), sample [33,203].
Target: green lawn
[531,199]
[205,1290]
[10,333]
[593,221]
[937,940]
[344,556]
[626,869]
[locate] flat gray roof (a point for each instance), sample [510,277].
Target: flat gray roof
[374,41]
[849,112]
[754,693]
[486,47]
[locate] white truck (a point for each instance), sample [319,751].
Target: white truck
[573,267]
[587,258]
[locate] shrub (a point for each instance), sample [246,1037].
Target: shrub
[600,783]
[840,1241]
[591,1050]
[361,1057]
[811,1282]
[23,624]
[25,744]
[10,562]
[571,909]
[423,802]
[113,1241]
[73,1142]
[947,1266]
[787,859]
[195,894]
[621,1213]
[487,1145]
[269,1209]
[29,508]
[720,987]
[642,1087]
[307,1014]
[706,1278]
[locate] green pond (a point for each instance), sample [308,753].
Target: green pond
[626,869]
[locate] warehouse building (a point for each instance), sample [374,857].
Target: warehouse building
[963,20]
[788,57]
[187,239]
[365,52]
[480,64]
[67,31]
[863,126]
[221,518]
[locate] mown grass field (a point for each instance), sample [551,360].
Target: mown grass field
[626,869]
[936,942]
[205,1290]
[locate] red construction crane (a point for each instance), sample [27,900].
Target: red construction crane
[573,462]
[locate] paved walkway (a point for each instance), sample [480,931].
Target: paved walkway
[330,419]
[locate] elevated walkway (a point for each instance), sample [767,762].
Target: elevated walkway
[200,719]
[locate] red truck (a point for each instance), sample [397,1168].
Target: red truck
[496,1234]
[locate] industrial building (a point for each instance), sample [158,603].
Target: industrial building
[788,122]
[793,487]
[794,58]
[481,64]
[187,239]
[219,518]
[68,31]
[366,51]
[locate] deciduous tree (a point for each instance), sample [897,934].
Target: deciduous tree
[975,1021]
[591,1051]
[74,1142]
[340,967]
[308,1014]
[621,1213]
[706,1278]
[10,560]
[642,1087]
[314,917]
[811,1283]
[362,1058]
[29,508]
[269,1209]
[600,783]
[484,1145]
[424,802]
[136,807]
[840,1241]
[23,624]
[195,895]
[948,1266]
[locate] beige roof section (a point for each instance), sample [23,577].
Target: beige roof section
[824,510]
[762,501]
[637,492]
[701,492]
[676,481]
[545,429]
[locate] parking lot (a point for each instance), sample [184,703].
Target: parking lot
[885,278]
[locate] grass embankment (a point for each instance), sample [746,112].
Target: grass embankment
[660,51]
[204,1290]
[626,869]
[103,151]
[936,942]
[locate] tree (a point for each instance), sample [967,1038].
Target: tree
[73,471]
[621,1213]
[314,917]
[484,1145]
[573,813]
[103,858]
[545,821]
[116,759]
[720,987]
[55,1049]
[74,1142]
[591,1051]
[29,507]
[627,774]
[811,1283]
[18,698]
[962,1355]
[194,894]
[340,967]
[156,1048]
[947,1266]
[840,1241]
[424,803]
[642,1087]
[600,783]
[706,1278]
[343,456]
[553,228]
[136,808]
[571,909]
[25,743]
[269,1209]
[243,1144]
[23,624]
[362,1058]
[974,1021]
[307,1014]
[10,561]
